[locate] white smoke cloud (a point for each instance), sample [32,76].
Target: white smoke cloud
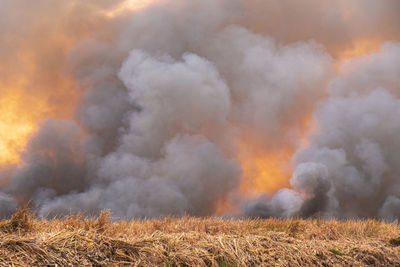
[169,90]
[191,174]
[357,144]
[184,97]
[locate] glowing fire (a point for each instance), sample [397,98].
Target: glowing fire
[263,171]
[35,93]
[361,47]
[15,127]
[13,133]
[267,171]
[128,6]
[20,111]
[356,49]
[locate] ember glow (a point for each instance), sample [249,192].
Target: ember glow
[360,48]
[357,49]
[263,171]
[170,107]
[126,7]
[14,130]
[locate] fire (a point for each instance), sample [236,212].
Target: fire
[263,171]
[127,6]
[361,47]
[268,170]
[21,110]
[356,49]
[39,88]
[15,127]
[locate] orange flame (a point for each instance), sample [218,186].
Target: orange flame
[14,128]
[356,49]
[263,171]
[361,47]
[269,170]
[38,88]
[128,6]
[266,169]
[19,114]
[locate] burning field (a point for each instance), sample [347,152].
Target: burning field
[213,132]
[233,108]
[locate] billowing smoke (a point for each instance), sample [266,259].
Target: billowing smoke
[350,167]
[170,93]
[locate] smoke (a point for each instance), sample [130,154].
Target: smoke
[350,167]
[166,96]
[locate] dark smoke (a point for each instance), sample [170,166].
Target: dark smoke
[169,89]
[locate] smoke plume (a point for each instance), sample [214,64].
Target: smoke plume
[173,107]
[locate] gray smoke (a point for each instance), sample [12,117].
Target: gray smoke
[167,92]
[350,167]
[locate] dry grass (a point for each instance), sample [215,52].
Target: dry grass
[190,241]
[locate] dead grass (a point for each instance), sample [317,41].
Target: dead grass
[25,240]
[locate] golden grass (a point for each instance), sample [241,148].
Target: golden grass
[26,240]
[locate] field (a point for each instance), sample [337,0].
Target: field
[188,241]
